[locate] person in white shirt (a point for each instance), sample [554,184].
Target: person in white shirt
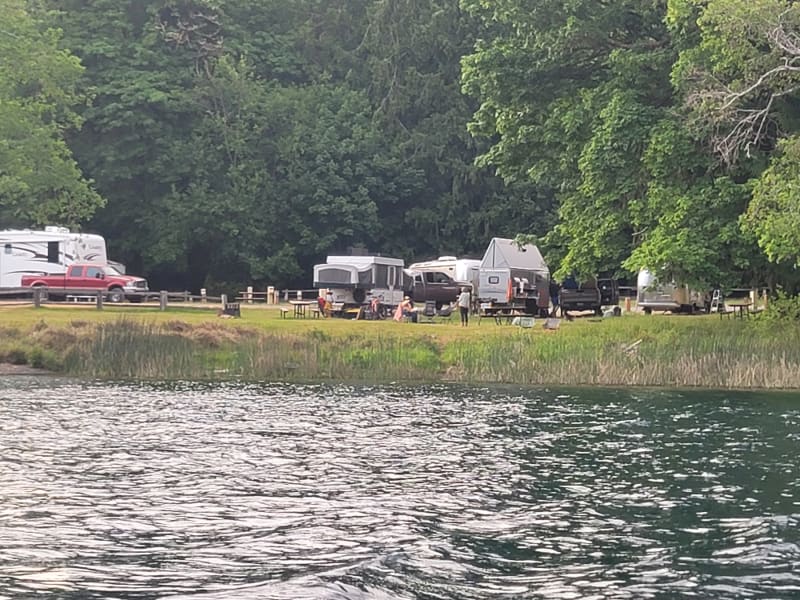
[463,306]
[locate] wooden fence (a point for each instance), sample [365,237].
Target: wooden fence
[41,295]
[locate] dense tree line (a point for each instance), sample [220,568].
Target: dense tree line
[230,142]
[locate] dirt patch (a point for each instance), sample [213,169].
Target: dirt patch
[8,369]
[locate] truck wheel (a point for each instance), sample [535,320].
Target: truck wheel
[648,310]
[116,295]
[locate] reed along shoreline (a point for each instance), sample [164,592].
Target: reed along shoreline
[634,350]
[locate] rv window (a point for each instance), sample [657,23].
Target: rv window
[52,252]
[494,279]
[8,248]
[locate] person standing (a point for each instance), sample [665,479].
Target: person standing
[463,306]
[555,293]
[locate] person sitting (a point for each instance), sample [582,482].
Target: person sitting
[375,307]
[405,310]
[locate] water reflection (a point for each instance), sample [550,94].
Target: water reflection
[277,491]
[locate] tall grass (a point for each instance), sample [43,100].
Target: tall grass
[638,351]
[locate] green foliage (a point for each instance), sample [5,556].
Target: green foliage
[783,308]
[774,213]
[39,180]
[569,93]
[240,141]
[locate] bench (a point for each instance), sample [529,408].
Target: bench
[314,311]
[79,298]
[232,309]
[284,312]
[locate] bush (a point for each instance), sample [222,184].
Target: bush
[783,307]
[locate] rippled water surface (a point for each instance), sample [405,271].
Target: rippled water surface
[277,491]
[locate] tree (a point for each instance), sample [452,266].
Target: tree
[569,93]
[40,182]
[741,83]
[773,215]
[742,76]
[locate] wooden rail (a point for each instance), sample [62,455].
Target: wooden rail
[41,295]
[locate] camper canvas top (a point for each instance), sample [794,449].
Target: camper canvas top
[364,260]
[503,253]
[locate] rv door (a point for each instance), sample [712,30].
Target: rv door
[493,285]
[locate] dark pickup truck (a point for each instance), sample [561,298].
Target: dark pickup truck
[591,295]
[432,286]
[89,279]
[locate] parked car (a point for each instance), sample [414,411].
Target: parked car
[88,279]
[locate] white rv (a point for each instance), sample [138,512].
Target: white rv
[48,252]
[513,275]
[460,270]
[354,280]
[652,295]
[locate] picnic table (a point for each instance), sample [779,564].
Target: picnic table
[303,308]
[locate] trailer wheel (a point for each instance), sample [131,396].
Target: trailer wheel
[116,295]
[359,295]
[648,310]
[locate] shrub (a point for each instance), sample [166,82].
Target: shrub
[783,307]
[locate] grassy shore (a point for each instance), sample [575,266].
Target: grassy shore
[123,342]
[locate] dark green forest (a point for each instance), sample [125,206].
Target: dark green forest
[224,143]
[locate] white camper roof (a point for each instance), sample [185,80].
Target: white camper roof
[503,253]
[364,260]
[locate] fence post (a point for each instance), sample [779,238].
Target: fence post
[299,294]
[627,304]
[249,294]
[271,294]
[224,299]
[162,300]
[37,297]
[99,300]
[285,295]
[203,294]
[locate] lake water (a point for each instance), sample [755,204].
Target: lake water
[441,492]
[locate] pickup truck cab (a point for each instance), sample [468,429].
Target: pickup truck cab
[88,278]
[591,295]
[432,286]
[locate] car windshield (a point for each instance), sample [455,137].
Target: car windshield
[109,270]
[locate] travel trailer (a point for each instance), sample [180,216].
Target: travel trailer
[652,295]
[461,270]
[512,275]
[46,252]
[354,280]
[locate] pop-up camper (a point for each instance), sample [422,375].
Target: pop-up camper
[46,252]
[513,275]
[353,280]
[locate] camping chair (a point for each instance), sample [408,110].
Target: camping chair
[430,310]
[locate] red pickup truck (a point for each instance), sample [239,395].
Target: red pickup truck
[89,279]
